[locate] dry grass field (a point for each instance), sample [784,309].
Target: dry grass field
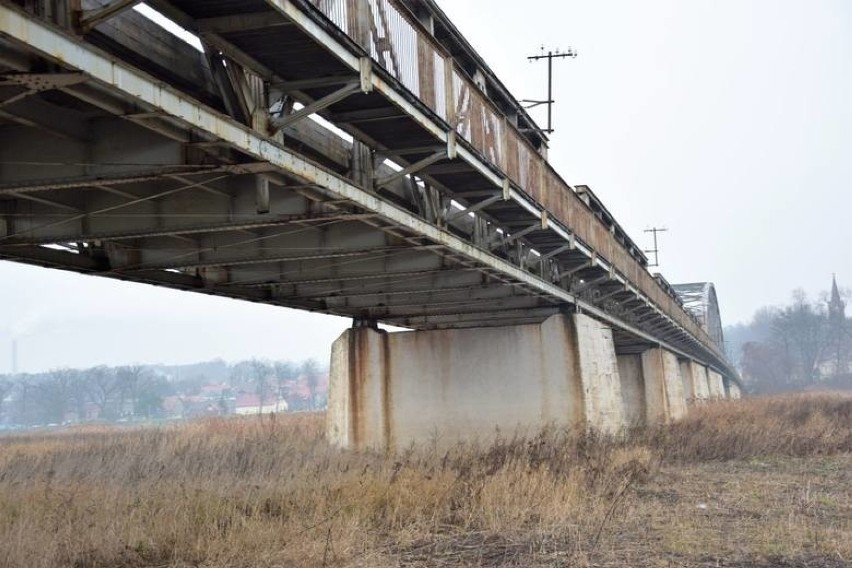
[760,482]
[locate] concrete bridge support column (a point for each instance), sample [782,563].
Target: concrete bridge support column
[732,390]
[664,395]
[632,389]
[700,388]
[391,389]
[686,378]
[715,385]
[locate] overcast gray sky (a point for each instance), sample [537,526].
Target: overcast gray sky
[727,122]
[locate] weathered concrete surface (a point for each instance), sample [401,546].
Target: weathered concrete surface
[358,414]
[392,389]
[700,388]
[734,391]
[715,385]
[664,394]
[602,399]
[632,389]
[686,378]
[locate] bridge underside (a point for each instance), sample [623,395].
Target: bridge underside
[196,186]
[134,196]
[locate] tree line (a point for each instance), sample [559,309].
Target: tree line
[138,392]
[799,346]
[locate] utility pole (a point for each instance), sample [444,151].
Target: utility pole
[550,56]
[656,249]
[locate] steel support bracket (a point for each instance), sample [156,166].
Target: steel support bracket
[262,190]
[37,83]
[452,146]
[365,68]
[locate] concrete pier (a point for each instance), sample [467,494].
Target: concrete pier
[389,390]
[664,393]
[734,391]
[632,389]
[716,385]
[700,386]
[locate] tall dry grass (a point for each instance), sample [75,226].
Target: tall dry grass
[271,492]
[793,426]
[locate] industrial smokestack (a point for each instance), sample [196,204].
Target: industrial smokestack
[14,356]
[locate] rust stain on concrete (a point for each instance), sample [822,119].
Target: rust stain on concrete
[387,392]
[356,387]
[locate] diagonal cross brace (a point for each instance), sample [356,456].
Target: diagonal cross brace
[572,244]
[415,167]
[91,18]
[474,208]
[318,105]
[512,237]
[588,264]
[608,295]
[594,282]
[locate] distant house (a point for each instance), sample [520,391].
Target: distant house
[250,403]
[299,393]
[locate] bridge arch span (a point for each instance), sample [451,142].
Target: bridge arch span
[701,300]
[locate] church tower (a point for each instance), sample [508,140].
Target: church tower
[836,307]
[837,328]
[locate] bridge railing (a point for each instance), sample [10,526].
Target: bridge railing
[400,44]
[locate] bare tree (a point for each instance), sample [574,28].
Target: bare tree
[24,411]
[801,330]
[310,370]
[792,347]
[133,380]
[261,378]
[79,395]
[54,394]
[103,386]
[285,375]
[6,387]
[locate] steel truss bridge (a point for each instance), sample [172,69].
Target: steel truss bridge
[351,157]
